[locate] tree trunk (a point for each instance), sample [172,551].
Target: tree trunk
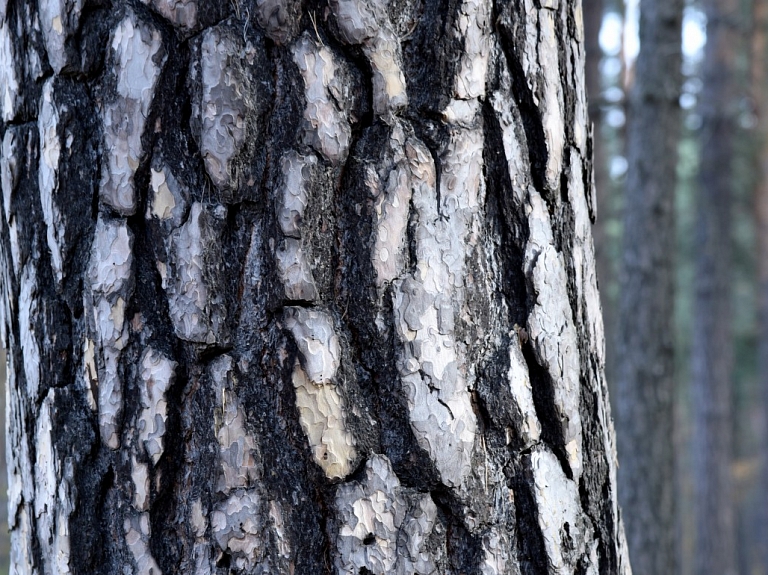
[645,383]
[760,97]
[302,288]
[712,346]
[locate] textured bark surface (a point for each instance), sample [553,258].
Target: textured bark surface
[645,382]
[712,345]
[302,288]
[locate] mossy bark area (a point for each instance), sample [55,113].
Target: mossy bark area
[297,287]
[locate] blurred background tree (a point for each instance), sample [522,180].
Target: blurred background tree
[720,327]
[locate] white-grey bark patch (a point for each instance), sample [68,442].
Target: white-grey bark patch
[322,409]
[568,538]
[293,195]
[541,65]
[382,527]
[238,528]
[48,180]
[111,286]
[157,374]
[431,364]
[139,58]
[520,386]
[29,307]
[390,187]
[9,80]
[137,537]
[225,103]
[169,200]
[367,23]
[551,326]
[291,258]
[326,127]
[238,453]
[59,19]
[196,308]
[474,25]
[181,13]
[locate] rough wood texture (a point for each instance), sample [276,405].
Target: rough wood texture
[645,382]
[303,288]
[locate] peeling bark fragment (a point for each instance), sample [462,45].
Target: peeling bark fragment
[50,151]
[367,23]
[157,374]
[140,478]
[551,326]
[237,448]
[11,170]
[168,201]
[21,544]
[225,104]
[390,187]
[322,410]
[181,13]
[237,527]
[513,135]
[201,547]
[322,414]
[432,365]
[369,515]
[383,528]
[541,64]
[111,285]
[568,538]
[293,193]
[294,271]
[474,26]
[45,503]
[290,255]
[520,386]
[139,58]
[137,537]
[280,18]
[496,551]
[417,528]
[9,81]
[326,127]
[317,341]
[197,311]
[29,307]
[60,20]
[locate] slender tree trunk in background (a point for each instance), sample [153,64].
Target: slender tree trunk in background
[712,348]
[645,382]
[760,96]
[298,288]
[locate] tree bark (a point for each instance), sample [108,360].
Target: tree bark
[645,383]
[712,347]
[302,288]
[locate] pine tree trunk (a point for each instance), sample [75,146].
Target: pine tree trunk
[759,78]
[645,383]
[302,288]
[712,346]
